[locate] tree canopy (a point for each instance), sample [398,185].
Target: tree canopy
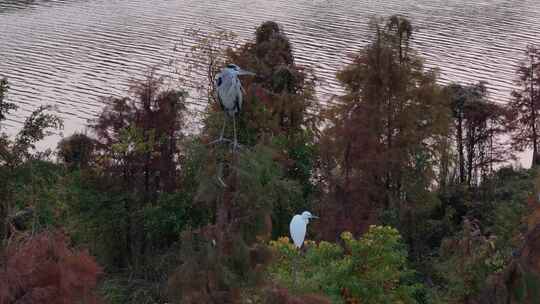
[410,178]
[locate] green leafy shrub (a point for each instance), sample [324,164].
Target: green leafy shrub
[372,269]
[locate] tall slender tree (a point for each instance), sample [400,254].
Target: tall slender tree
[277,110]
[4,153]
[137,142]
[15,152]
[259,183]
[478,126]
[525,105]
[385,128]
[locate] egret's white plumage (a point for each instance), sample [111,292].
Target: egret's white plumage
[229,92]
[298,227]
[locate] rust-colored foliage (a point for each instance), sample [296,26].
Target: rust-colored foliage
[280,95]
[282,295]
[383,130]
[214,263]
[352,155]
[348,297]
[44,269]
[137,143]
[138,136]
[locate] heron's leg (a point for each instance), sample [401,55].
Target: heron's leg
[234,130]
[223,127]
[220,175]
[295,270]
[221,139]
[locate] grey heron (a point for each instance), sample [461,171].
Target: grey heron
[298,227]
[229,93]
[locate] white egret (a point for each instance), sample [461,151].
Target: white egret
[298,227]
[229,94]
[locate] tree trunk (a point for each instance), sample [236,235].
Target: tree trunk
[389,143]
[470,155]
[3,223]
[461,156]
[533,116]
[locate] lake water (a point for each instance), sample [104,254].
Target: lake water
[71,53]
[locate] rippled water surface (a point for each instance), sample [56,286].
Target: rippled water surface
[71,53]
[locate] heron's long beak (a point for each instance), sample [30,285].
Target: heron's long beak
[313,216]
[244,72]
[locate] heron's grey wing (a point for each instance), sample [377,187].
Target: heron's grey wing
[220,102]
[218,80]
[218,85]
[298,230]
[226,91]
[239,96]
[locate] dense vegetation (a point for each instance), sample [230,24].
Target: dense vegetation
[410,178]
